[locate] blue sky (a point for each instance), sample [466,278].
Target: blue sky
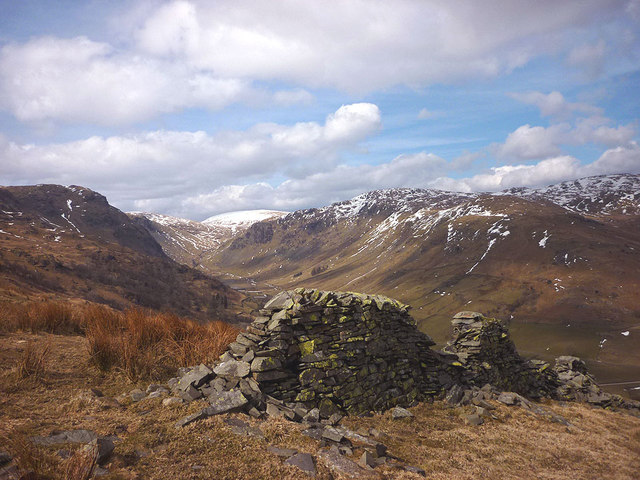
[193,108]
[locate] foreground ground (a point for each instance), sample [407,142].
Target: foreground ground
[598,444]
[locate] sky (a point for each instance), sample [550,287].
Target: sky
[195,108]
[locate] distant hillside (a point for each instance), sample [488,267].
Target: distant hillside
[562,261]
[68,242]
[193,243]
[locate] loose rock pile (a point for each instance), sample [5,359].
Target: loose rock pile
[576,384]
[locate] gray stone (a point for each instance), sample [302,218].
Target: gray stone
[222,402]
[232,368]
[269,376]
[194,417]
[312,417]
[67,436]
[196,377]
[281,452]
[416,470]
[170,401]
[454,395]
[335,419]
[508,398]
[274,411]
[190,394]
[153,388]
[238,427]
[136,395]
[159,393]
[304,462]
[367,460]
[263,364]
[338,464]
[398,412]
[249,356]
[332,434]
[280,301]
[103,448]
[467,314]
[473,419]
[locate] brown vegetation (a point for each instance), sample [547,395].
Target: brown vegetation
[144,344]
[33,363]
[140,343]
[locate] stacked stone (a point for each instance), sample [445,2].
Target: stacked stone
[486,355]
[329,352]
[576,384]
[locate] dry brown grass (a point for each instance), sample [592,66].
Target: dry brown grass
[601,444]
[32,365]
[146,345]
[140,343]
[81,464]
[46,316]
[25,455]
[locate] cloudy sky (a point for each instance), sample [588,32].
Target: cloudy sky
[193,108]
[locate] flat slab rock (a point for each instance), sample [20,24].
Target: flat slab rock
[341,465]
[304,462]
[232,368]
[226,401]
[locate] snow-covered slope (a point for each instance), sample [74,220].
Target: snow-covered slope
[241,220]
[188,241]
[600,195]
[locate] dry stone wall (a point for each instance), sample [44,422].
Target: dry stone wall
[315,355]
[486,354]
[340,353]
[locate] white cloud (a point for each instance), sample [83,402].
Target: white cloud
[553,170]
[157,168]
[425,114]
[536,142]
[529,142]
[553,104]
[175,55]
[78,80]
[418,170]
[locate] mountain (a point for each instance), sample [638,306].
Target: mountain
[192,243]
[69,243]
[561,261]
[241,220]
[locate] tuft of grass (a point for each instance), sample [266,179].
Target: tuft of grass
[33,363]
[46,316]
[25,455]
[145,344]
[81,464]
[141,343]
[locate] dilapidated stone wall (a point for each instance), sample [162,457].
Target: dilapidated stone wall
[340,352]
[315,355]
[486,354]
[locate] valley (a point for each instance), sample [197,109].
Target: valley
[560,264]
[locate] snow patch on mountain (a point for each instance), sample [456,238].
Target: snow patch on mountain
[241,220]
[604,194]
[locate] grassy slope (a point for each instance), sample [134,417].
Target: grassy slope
[601,444]
[596,296]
